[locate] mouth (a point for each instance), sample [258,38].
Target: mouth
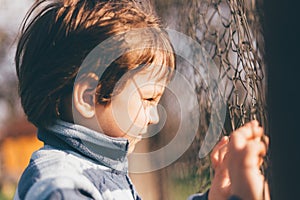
[143,131]
[139,137]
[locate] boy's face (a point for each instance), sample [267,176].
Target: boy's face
[133,109]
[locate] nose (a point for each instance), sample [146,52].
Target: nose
[153,115]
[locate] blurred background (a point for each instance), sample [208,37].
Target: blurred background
[231,34]
[17,136]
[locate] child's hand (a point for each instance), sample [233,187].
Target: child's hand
[246,150]
[220,187]
[236,163]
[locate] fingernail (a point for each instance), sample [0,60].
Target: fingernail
[254,122]
[226,138]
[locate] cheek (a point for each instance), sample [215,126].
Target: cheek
[129,113]
[137,114]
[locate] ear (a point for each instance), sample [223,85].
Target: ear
[84,95]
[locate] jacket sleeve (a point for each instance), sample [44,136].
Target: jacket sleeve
[60,188]
[64,194]
[199,196]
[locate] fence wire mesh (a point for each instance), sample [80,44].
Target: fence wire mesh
[231,32]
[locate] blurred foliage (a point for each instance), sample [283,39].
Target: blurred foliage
[4,197]
[4,42]
[181,188]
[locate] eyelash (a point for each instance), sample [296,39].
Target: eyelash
[150,99]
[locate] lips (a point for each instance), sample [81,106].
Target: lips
[139,138]
[144,131]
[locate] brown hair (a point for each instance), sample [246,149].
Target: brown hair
[55,41]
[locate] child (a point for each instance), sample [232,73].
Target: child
[91,74]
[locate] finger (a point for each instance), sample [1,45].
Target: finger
[255,149]
[253,154]
[219,165]
[266,191]
[245,133]
[262,154]
[214,156]
[260,161]
[263,149]
[258,132]
[253,123]
[265,140]
[222,142]
[222,152]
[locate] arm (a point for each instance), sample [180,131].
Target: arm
[61,188]
[64,194]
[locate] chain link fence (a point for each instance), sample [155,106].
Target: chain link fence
[231,32]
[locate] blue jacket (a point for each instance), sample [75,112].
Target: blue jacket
[78,163]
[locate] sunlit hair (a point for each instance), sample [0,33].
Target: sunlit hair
[57,36]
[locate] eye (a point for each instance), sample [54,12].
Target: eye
[150,99]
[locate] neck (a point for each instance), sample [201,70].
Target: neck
[103,149]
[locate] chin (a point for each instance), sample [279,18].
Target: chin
[131,149]
[132,144]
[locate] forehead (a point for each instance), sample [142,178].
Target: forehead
[150,78]
[143,82]
[146,79]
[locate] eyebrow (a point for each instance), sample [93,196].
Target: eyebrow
[153,95]
[147,92]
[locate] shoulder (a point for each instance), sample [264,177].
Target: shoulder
[55,172]
[49,162]
[60,188]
